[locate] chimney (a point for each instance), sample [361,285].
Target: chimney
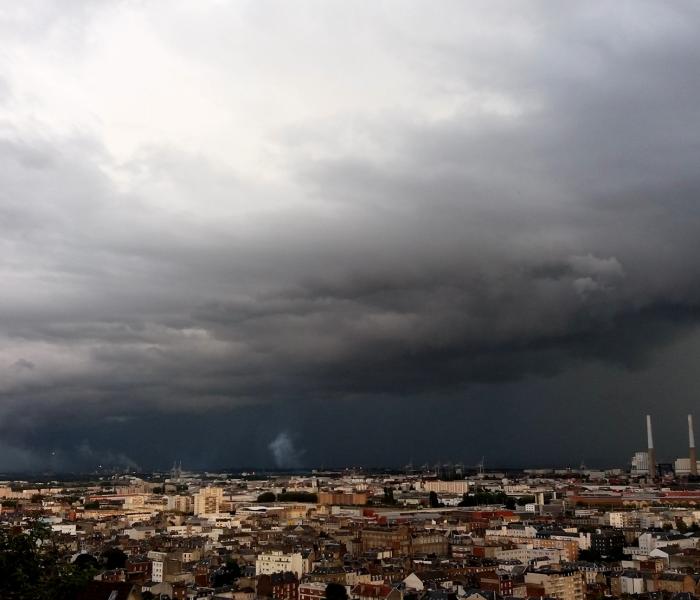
[691,447]
[651,451]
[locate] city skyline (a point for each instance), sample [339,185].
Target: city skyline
[284,455]
[296,234]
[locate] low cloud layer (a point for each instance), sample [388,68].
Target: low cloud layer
[464,199]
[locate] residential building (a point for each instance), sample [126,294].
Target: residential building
[563,585]
[279,562]
[208,501]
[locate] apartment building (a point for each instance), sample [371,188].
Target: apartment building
[343,498]
[569,547]
[562,585]
[279,562]
[180,503]
[280,586]
[458,486]
[208,501]
[403,542]
[312,590]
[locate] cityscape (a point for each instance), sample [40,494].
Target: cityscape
[349,299]
[446,532]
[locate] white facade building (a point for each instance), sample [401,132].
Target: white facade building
[526,531]
[65,528]
[649,541]
[682,466]
[623,519]
[157,571]
[640,463]
[632,584]
[526,553]
[279,562]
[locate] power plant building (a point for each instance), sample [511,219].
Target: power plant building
[644,463]
[682,466]
[640,463]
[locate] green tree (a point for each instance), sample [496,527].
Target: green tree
[267,497]
[336,591]
[85,561]
[297,497]
[467,500]
[389,496]
[589,555]
[523,500]
[484,497]
[433,500]
[227,574]
[114,558]
[32,566]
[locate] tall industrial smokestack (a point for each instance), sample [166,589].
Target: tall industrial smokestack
[691,447]
[650,447]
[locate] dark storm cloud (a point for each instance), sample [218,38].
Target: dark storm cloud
[555,230]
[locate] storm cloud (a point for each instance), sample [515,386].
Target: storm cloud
[296,215]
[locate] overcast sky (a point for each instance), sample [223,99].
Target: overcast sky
[322,233]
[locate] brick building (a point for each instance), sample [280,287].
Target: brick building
[278,586]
